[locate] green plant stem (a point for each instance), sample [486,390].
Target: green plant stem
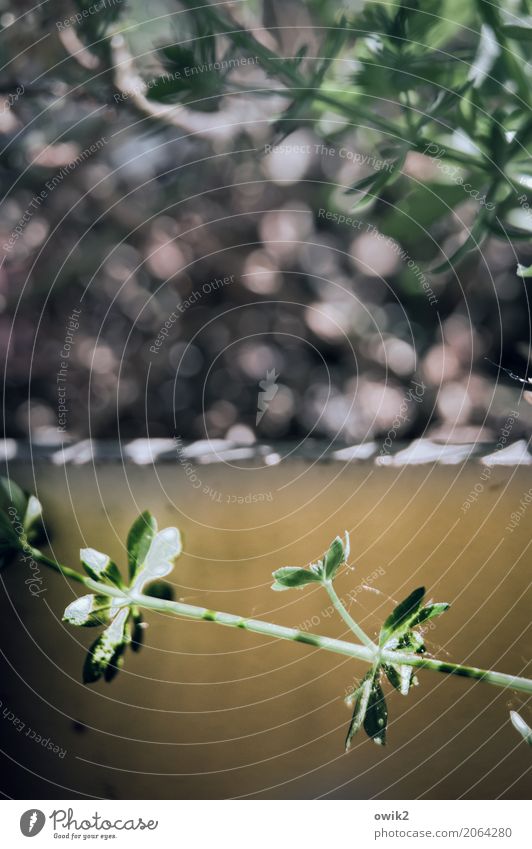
[364,653]
[349,621]
[58,567]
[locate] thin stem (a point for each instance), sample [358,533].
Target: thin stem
[365,653]
[58,567]
[349,621]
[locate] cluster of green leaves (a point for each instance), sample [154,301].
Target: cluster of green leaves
[21,524]
[151,556]
[323,570]
[439,77]
[400,633]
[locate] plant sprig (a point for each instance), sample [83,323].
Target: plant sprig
[115,604]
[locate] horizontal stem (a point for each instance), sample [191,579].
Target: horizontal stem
[364,653]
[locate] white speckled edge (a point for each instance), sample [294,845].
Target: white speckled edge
[143,452]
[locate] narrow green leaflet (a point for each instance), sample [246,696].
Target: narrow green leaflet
[105,654]
[401,617]
[335,556]
[100,567]
[361,699]
[293,576]
[139,539]
[518,33]
[520,725]
[429,612]
[524,270]
[376,718]
[393,675]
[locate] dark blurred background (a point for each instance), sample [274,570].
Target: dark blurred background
[126,216]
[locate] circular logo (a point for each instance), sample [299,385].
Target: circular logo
[32,822]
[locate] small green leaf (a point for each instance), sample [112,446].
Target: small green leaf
[524,270]
[334,557]
[137,630]
[100,567]
[429,612]
[20,520]
[105,653]
[293,576]
[411,641]
[520,725]
[407,678]
[518,33]
[393,675]
[164,549]
[474,240]
[361,698]
[89,610]
[400,618]
[11,495]
[376,718]
[139,540]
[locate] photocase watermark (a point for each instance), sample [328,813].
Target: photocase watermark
[11,98]
[269,390]
[196,482]
[436,153]
[185,73]
[51,184]
[83,14]
[487,469]
[61,376]
[32,822]
[183,306]
[413,396]
[367,227]
[35,581]
[518,514]
[20,726]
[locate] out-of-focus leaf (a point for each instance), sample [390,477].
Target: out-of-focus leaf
[475,239]
[520,725]
[524,270]
[518,33]
[487,52]
[20,520]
